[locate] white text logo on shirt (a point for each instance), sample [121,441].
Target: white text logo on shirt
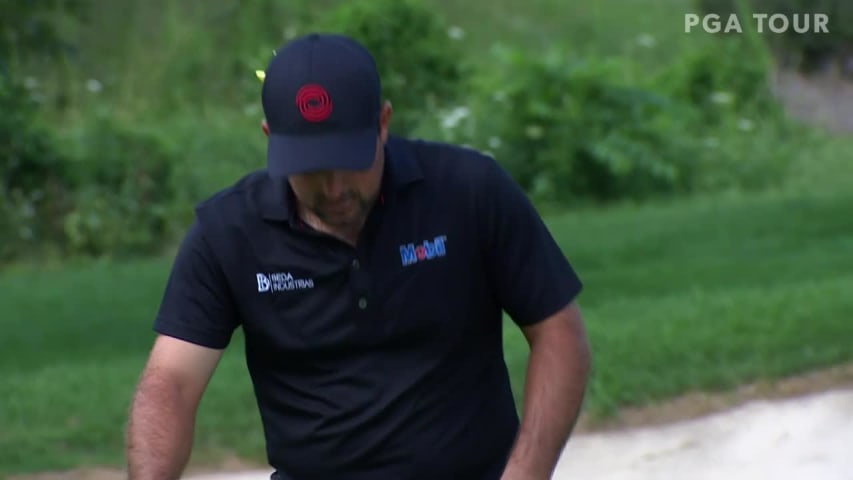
[282,282]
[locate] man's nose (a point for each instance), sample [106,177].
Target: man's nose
[333,184]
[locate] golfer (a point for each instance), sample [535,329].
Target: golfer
[369,274]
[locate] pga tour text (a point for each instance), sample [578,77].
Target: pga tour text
[773,22]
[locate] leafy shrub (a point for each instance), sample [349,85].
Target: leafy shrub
[33,193]
[726,76]
[107,186]
[123,191]
[26,154]
[747,140]
[214,151]
[420,64]
[136,184]
[33,187]
[570,129]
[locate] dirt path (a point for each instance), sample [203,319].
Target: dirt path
[824,100]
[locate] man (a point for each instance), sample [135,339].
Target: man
[369,274]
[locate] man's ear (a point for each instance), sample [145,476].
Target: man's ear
[265,127]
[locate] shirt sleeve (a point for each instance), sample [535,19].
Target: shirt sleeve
[531,277]
[197,305]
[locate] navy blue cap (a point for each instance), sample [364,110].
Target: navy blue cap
[321,98]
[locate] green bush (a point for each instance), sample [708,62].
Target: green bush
[420,64]
[33,193]
[136,184]
[111,192]
[26,154]
[569,129]
[747,139]
[123,190]
[106,186]
[726,76]
[33,186]
[212,151]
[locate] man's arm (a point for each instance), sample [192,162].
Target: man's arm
[538,288]
[196,319]
[162,414]
[557,374]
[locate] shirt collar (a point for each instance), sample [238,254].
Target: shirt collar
[401,169]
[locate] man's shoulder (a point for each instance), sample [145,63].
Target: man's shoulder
[238,194]
[444,160]
[438,151]
[233,205]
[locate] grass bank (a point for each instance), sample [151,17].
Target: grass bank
[700,294]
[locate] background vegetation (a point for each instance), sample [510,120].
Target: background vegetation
[711,229]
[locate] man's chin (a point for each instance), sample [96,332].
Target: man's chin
[340,219]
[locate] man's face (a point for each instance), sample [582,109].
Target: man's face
[343,198]
[340,198]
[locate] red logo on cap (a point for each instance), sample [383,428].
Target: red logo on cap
[314,103]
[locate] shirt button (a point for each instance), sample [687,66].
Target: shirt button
[362,303]
[355,264]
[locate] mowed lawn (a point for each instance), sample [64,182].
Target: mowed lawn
[699,294]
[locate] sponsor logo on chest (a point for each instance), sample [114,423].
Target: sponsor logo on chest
[282,282]
[411,253]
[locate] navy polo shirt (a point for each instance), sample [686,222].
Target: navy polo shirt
[385,360]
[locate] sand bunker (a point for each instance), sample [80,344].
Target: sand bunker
[795,438]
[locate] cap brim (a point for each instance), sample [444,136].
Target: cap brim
[291,154]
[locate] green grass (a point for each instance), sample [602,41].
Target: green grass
[700,294]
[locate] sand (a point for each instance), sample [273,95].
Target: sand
[809,436]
